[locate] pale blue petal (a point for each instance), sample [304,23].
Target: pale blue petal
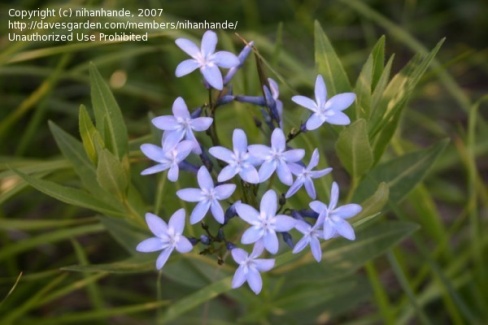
[334,196]
[320,91]
[239,277]
[180,109]
[329,229]
[315,121]
[264,265]
[317,206]
[269,203]
[344,229]
[249,174]
[155,169]
[257,250]
[266,170]
[153,152]
[163,257]
[305,102]
[209,42]
[183,149]
[270,241]
[254,280]
[284,223]
[278,140]
[221,153]
[294,155]
[314,161]
[184,245]
[284,173]
[177,221]
[204,179]
[296,169]
[316,249]
[320,173]
[224,191]
[341,101]
[186,67]
[251,235]
[226,59]
[302,227]
[347,211]
[173,173]
[310,188]
[171,139]
[213,76]
[188,47]
[217,211]
[239,140]
[239,255]
[259,151]
[165,122]
[150,245]
[301,244]
[338,118]
[190,194]
[294,187]
[227,173]
[247,213]
[274,88]
[201,123]
[199,212]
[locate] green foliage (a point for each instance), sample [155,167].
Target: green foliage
[413,155]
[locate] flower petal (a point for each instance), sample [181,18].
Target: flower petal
[224,191]
[334,196]
[204,179]
[294,187]
[315,121]
[247,213]
[284,173]
[314,160]
[183,149]
[188,47]
[316,249]
[254,280]
[201,123]
[284,223]
[251,235]
[186,67]
[249,174]
[226,59]
[213,76]
[226,173]
[165,122]
[150,245]
[320,173]
[269,203]
[301,244]
[177,221]
[264,264]
[239,255]
[310,188]
[344,229]
[294,155]
[317,206]
[183,245]
[278,140]
[209,42]
[320,91]
[305,102]
[239,277]
[155,169]
[217,211]
[199,212]
[239,140]
[266,170]
[347,211]
[180,109]
[270,241]
[163,258]
[153,152]
[340,102]
[156,224]
[338,118]
[190,194]
[259,151]
[221,153]
[329,229]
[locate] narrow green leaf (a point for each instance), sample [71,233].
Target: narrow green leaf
[401,174]
[354,150]
[328,64]
[125,233]
[71,195]
[108,117]
[135,264]
[111,175]
[89,135]
[375,203]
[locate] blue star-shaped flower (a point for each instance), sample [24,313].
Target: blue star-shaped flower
[324,110]
[311,236]
[181,125]
[333,218]
[207,196]
[239,161]
[249,267]
[205,59]
[168,156]
[276,157]
[266,223]
[305,176]
[168,237]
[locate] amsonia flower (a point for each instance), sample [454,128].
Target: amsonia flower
[273,102]
[324,110]
[239,161]
[168,237]
[181,124]
[276,157]
[168,157]
[207,196]
[265,223]
[311,236]
[334,218]
[206,59]
[249,267]
[305,176]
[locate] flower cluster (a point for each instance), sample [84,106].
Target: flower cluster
[229,179]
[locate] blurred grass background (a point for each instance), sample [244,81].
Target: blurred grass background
[48,81]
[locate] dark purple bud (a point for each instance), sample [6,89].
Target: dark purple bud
[206,160]
[296,215]
[225,99]
[308,213]
[193,240]
[230,212]
[255,100]
[204,239]
[287,239]
[242,57]
[185,165]
[230,246]
[196,113]
[303,127]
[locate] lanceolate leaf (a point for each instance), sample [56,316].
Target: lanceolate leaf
[354,150]
[108,118]
[111,175]
[329,65]
[89,135]
[400,174]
